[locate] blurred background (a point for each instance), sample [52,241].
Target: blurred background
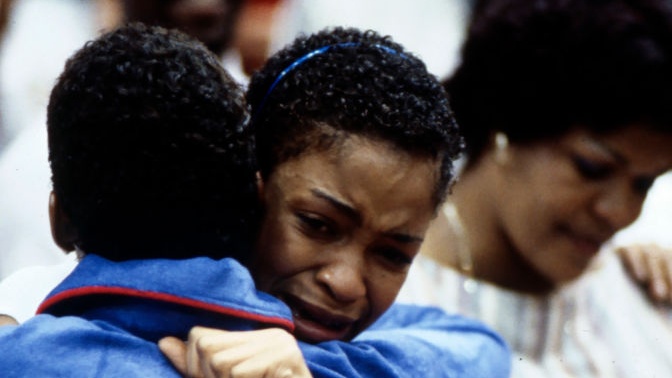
[37,36]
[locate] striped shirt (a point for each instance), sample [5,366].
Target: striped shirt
[601,325]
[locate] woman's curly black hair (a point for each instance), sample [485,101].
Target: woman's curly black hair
[364,84]
[150,150]
[535,68]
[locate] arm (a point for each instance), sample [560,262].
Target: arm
[651,266]
[409,341]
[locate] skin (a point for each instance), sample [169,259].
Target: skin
[651,266]
[340,231]
[537,214]
[7,320]
[268,353]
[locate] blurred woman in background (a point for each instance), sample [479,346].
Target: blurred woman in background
[566,110]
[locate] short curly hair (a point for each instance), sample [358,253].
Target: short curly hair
[350,81]
[149,148]
[535,68]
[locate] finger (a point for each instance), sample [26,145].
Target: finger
[251,367]
[176,351]
[667,272]
[222,363]
[195,362]
[205,344]
[262,353]
[7,320]
[216,353]
[635,262]
[205,365]
[658,287]
[216,339]
[280,362]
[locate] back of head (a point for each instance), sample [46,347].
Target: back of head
[535,68]
[323,87]
[149,149]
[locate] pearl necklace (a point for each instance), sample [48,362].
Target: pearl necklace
[465,260]
[466,263]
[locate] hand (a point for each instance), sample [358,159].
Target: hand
[651,266]
[7,320]
[210,353]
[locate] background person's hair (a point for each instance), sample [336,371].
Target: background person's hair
[363,84]
[5,12]
[149,148]
[535,68]
[212,24]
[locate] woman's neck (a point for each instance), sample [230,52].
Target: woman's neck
[492,256]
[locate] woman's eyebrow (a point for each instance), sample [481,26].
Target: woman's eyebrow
[604,148]
[345,208]
[355,216]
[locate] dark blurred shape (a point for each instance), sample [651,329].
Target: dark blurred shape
[213,22]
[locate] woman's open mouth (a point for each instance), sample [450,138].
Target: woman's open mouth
[588,245]
[315,324]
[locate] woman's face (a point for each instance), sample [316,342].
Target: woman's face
[340,231]
[559,201]
[210,21]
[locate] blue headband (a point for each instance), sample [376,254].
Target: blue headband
[311,54]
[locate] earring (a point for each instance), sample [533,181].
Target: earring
[501,147]
[501,141]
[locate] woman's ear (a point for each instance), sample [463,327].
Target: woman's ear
[62,231]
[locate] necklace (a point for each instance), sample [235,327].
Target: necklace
[464,258]
[465,261]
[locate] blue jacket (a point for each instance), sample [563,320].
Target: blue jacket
[104,321]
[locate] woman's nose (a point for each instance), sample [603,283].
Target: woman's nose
[619,206]
[344,279]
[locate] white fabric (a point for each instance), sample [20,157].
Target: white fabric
[654,225]
[23,291]
[41,35]
[432,29]
[600,326]
[233,63]
[25,233]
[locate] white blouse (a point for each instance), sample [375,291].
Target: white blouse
[602,325]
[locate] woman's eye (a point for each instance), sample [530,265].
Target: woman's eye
[590,169]
[395,257]
[314,225]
